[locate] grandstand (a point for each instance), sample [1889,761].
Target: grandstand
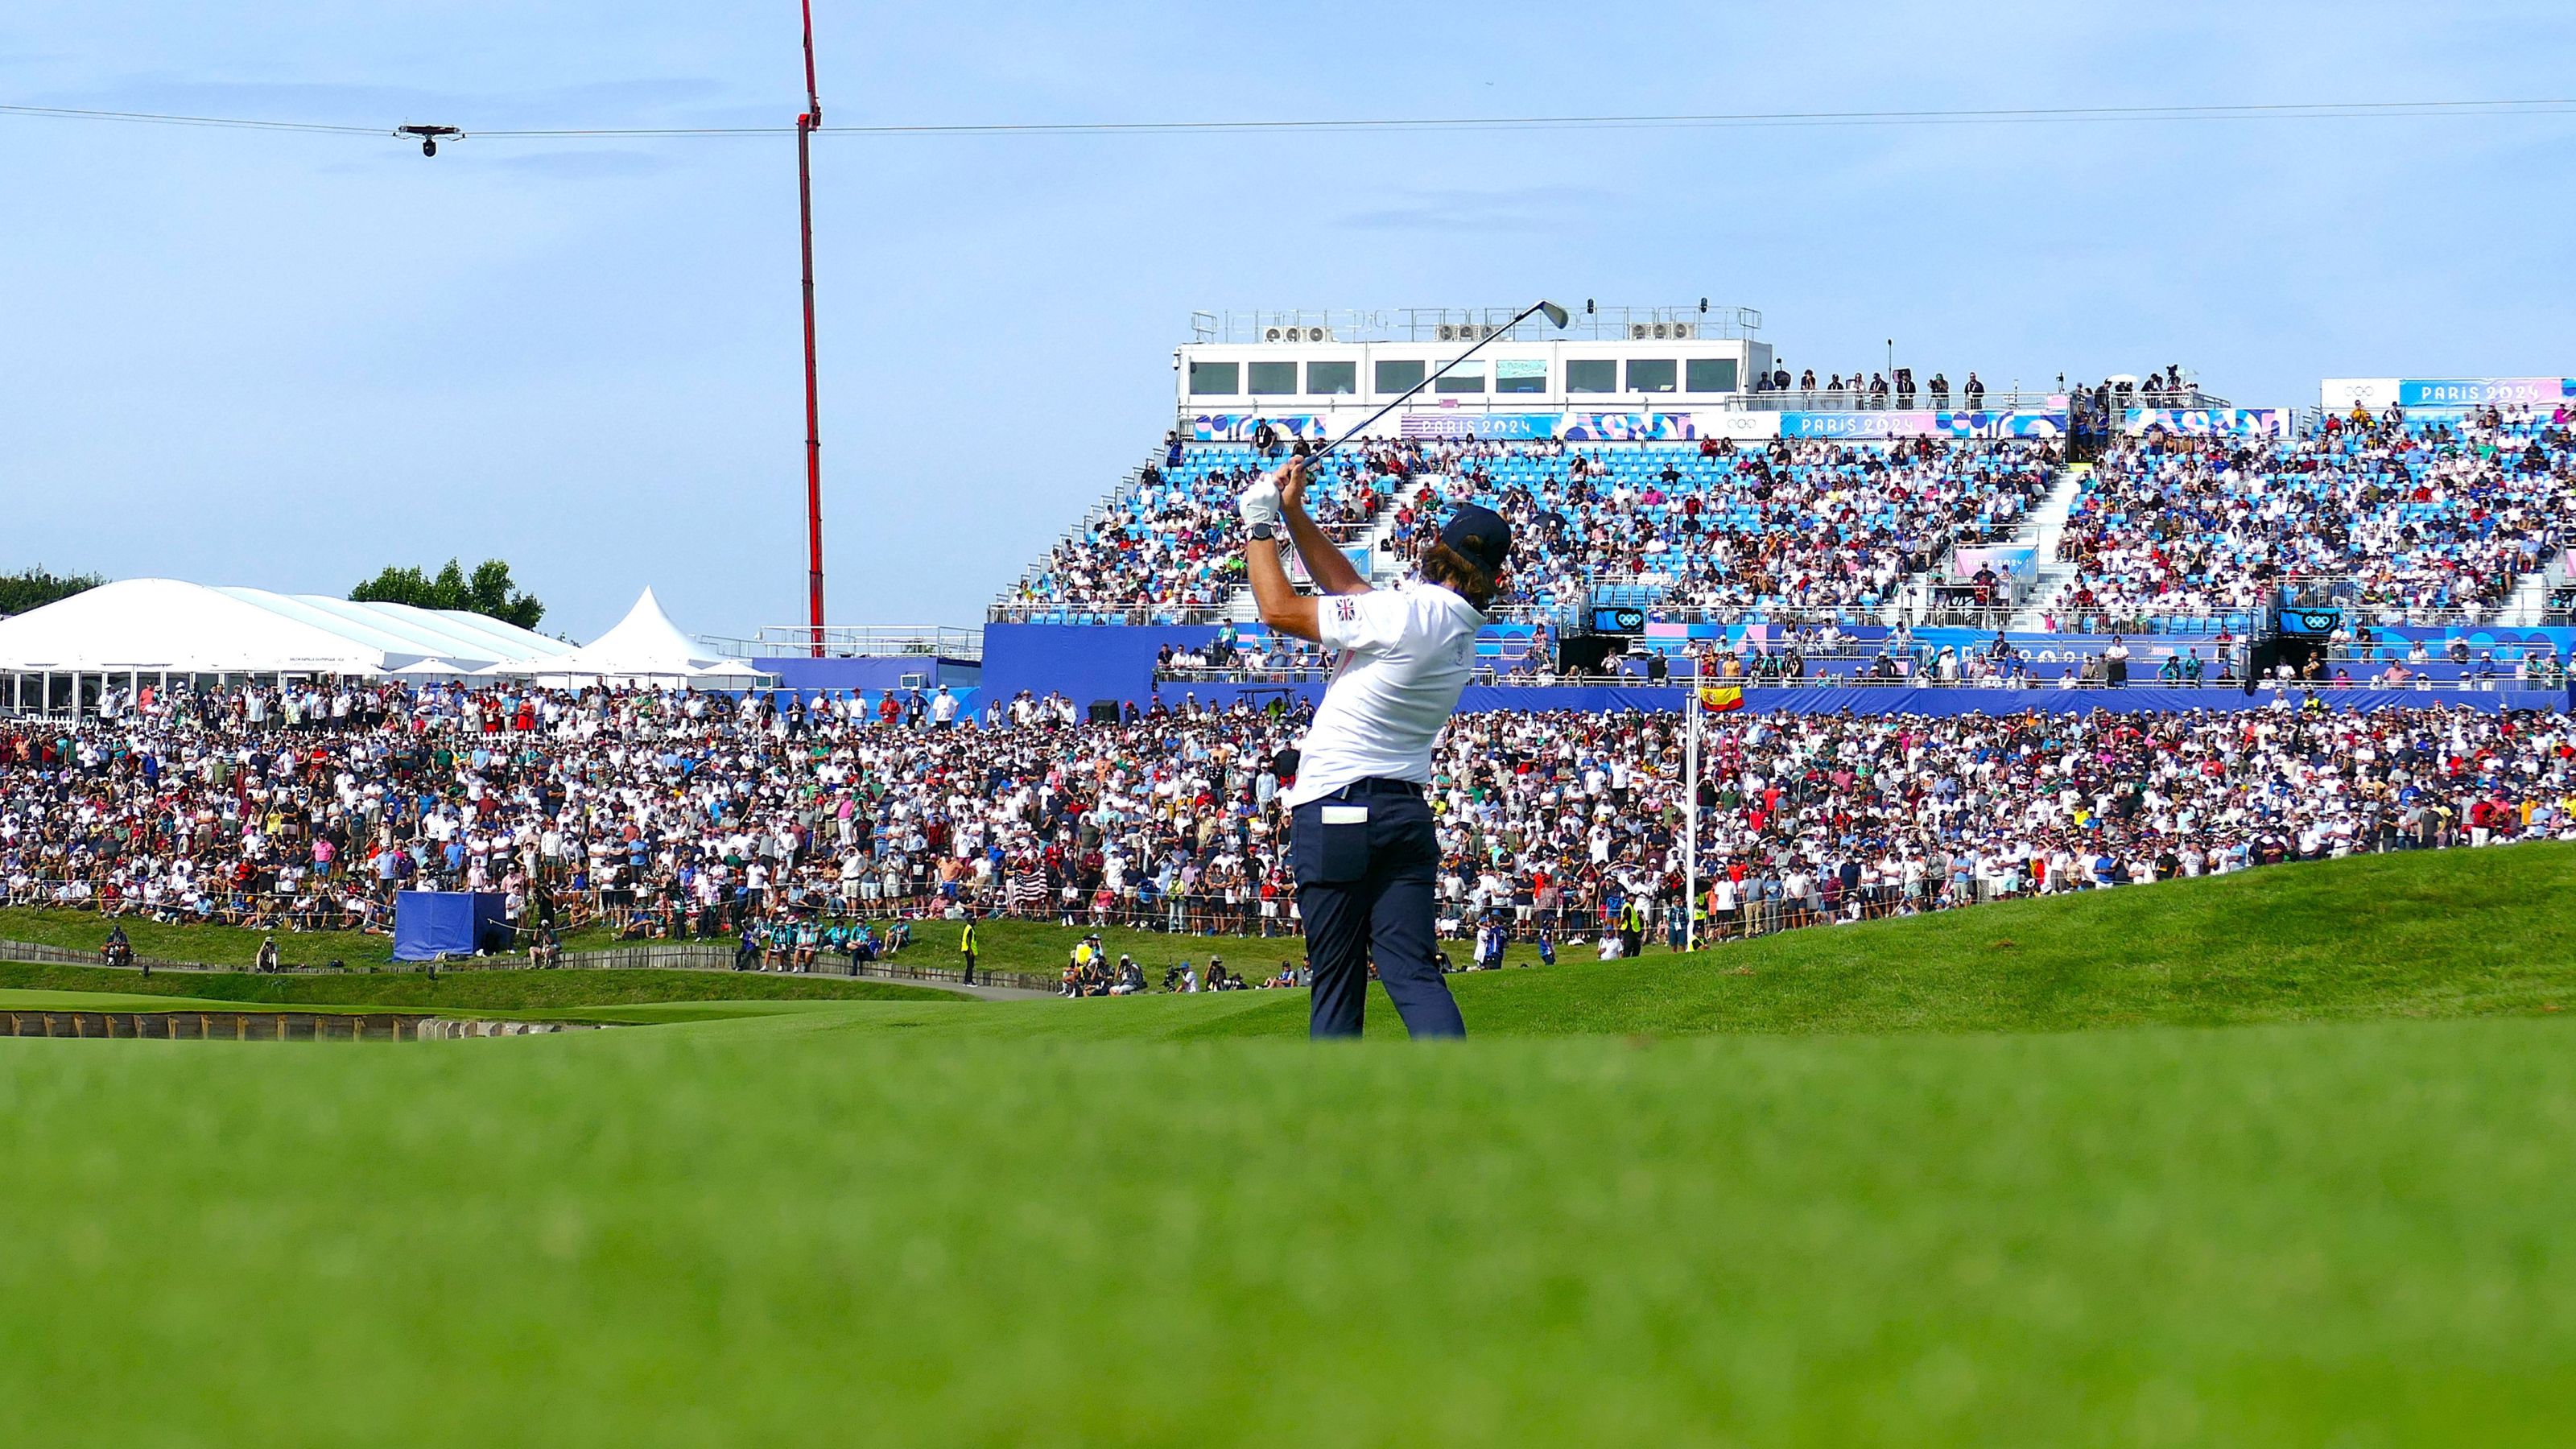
[1690,504]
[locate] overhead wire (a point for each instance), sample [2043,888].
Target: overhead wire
[155,118]
[2034,115]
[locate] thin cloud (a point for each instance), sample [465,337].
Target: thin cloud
[585,165]
[1527,208]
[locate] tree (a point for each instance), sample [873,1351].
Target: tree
[35,588]
[488,590]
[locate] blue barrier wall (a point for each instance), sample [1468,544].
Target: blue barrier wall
[873,673]
[1088,662]
[1083,662]
[1933,703]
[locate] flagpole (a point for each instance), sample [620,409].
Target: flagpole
[1690,821]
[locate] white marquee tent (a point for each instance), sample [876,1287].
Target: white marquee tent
[154,632]
[151,631]
[644,648]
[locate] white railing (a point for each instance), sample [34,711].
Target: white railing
[847,641]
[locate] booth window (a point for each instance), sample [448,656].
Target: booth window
[1470,378]
[1712,374]
[1214,379]
[1520,374]
[1332,377]
[1397,376]
[1592,374]
[1273,379]
[1651,375]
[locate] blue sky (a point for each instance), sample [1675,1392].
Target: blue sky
[283,360]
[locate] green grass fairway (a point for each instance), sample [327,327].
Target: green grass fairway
[771,1231]
[1885,1185]
[508,991]
[1001,945]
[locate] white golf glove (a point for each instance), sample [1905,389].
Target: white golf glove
[1259,503]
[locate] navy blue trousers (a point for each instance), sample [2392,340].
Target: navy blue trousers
[1365,888]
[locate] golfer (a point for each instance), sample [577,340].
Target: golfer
[1361,840]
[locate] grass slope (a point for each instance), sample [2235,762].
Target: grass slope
[2433,934]
[2449,933]
[213,945]
[464,990]
[1001,945]
[768,1231]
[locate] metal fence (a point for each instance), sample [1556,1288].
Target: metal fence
[33,954]
[851,641]
[1684,322]
[715,956]
[1046,611]
[653,956]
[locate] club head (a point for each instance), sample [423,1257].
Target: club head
[1555,314]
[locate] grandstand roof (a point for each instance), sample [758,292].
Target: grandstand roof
[154,625]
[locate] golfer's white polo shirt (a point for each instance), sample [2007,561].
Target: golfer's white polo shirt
[1406,653]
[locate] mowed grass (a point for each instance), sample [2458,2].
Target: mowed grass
[782,1231]
[1867,1185]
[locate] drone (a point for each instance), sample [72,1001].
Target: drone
[429,136]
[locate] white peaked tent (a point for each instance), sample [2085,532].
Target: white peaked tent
[644,648]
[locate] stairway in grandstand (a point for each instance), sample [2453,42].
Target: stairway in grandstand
[2047,523]
[2529,606]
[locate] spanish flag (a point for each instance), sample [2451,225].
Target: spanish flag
[1719,698]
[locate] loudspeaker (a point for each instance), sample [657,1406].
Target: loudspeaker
[1104,711]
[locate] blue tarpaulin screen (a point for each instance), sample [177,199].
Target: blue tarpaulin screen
[431,924]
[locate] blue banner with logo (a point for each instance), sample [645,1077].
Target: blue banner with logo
[2208,422]
[1237,427]
[2480,392]
[1629,428]
[1873,424]
[1479,427]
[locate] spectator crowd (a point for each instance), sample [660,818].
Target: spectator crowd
[1165,549]
[694,815]
[1810,527]
[2404,521]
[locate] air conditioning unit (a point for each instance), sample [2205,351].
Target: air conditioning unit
[1661,331]
[1466,332]
[1640,331]
[1316,334]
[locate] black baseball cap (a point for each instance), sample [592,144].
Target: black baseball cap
[1480,536]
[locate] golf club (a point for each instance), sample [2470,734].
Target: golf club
[1556,316]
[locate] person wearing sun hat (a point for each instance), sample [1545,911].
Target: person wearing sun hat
[1361,837]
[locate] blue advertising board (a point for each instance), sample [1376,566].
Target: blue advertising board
[1870,424]
[2479,392]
